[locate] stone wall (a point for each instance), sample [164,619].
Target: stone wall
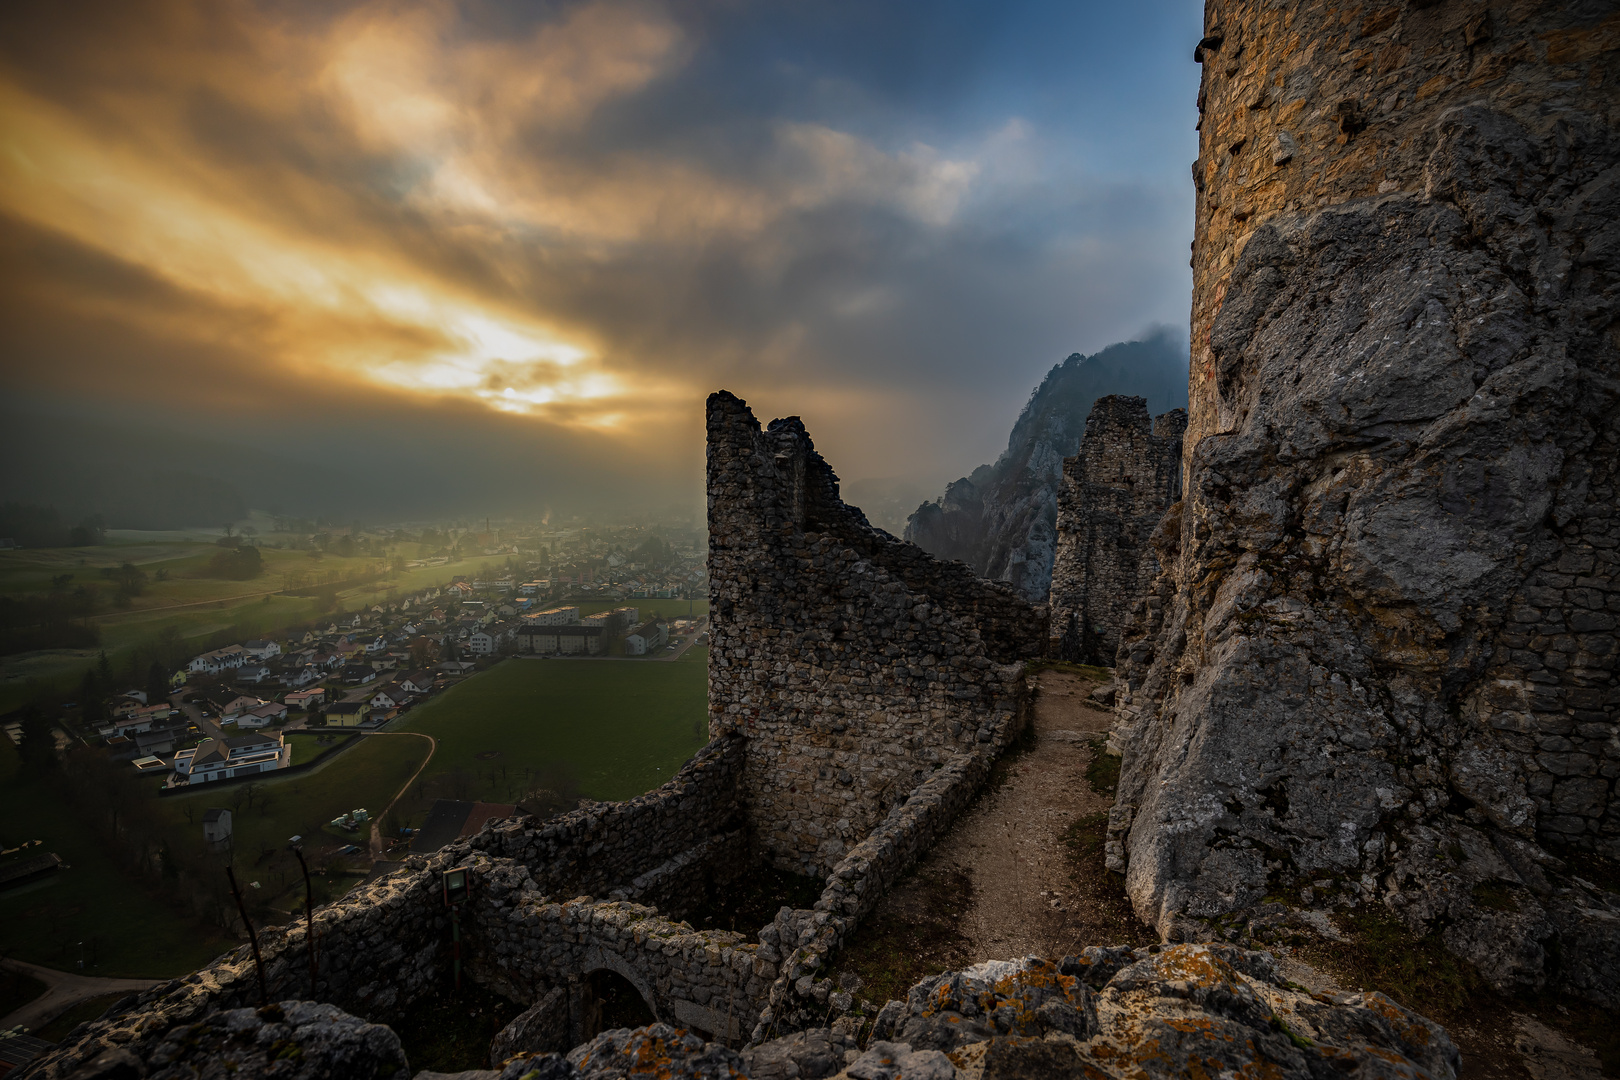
[1382,655]
[853,663]
[1113,495]
[665,847]
[805,943]
[529,943]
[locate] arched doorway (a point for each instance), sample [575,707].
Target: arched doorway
[609,1000]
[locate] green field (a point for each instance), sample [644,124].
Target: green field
[619,728]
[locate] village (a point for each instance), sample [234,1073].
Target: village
[228,710]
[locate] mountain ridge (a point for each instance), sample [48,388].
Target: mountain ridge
[1001,519]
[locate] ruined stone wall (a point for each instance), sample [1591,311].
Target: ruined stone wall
[664,847]
[1383,652]
[1113,494]
[804,943]
[530,942]
[853,663]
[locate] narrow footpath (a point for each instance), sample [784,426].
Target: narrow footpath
[64,989]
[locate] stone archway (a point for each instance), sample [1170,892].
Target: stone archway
[607,987]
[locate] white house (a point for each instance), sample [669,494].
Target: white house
[262,649]
[221,759]
[557,616]
[212,663]
[263,716]
[305,699]
[239,706]
[482,643]
[650,636]
[390,697]
[417,682]
[252,673]
[305,675]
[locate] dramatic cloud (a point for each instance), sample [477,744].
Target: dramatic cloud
[578,218]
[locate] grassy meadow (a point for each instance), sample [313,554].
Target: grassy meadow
[618,728]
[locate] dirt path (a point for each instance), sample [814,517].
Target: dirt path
[1020,872]
[1018,842]
[63,989]
[376,822]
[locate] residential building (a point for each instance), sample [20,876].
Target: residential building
[357,674]
[481,643]
[221,759]
[212,663]
[557,616]
[263,716]
[560,640]
[648,637]
[252,673]
[239,706]
[302,677]
[391,696]
[305,699]
[348,713]
[261,649]
[418,682]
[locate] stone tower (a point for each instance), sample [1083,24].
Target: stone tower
[1113,495]
[1384,652]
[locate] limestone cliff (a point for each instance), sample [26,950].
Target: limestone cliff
[1002,520]
[1382,654]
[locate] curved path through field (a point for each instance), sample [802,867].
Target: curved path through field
[376,822]
[63,989]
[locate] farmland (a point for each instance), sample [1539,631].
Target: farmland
[618,729]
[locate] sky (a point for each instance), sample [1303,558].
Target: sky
[512,246]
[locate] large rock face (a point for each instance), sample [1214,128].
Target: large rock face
[1002,520]
[1114,494]
[1383,650]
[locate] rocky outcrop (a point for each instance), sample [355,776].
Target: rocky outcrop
[294,1040]
[1191,1010]
[1002,520]
[1114,494]
[1383,650]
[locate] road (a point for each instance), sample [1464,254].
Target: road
[63,990]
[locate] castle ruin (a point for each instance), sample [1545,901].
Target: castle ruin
[1378,660]
[1114,494]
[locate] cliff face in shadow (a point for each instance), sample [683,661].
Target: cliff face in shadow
[1381,659]
[1002,519]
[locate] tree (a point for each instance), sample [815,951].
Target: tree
[157,683]
[38,748]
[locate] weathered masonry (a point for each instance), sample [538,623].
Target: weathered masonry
[854,664]
[1383,651]
[1114,494]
